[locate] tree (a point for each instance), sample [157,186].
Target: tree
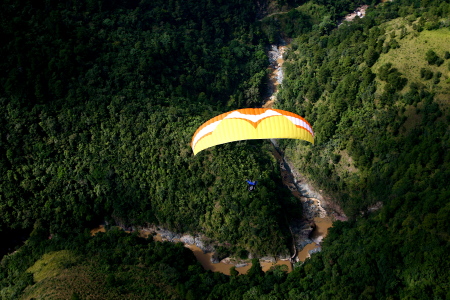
[431,57]
[371,56]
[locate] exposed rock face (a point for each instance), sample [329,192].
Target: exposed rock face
[302,228]
[275,55]
[215,259]
[360,12]
[312,208]
[168,235]
[315,204]
[241,265]
[301,231]
[188,239]
[269,259]
[315,250]
[199,241]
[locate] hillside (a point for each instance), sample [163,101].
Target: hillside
[409,55]
[99,106]
[100,100]
[382,126]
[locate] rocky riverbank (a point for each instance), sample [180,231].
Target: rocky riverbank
[275,55]
[205,253]
[316,207]
[163,234]
[304,230]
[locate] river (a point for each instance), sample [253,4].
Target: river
[322,225]
[205,258]
[312,202]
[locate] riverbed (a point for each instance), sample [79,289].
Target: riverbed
[319,233]
[276,60]
[223,266]
[205,258]
[322,225]
[313,210]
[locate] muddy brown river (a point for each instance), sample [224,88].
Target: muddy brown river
[322,225]
[205,260]
[321,230]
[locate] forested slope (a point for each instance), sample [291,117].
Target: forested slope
[100,101]
[377,92]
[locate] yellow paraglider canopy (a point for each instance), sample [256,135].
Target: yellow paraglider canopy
[251,124]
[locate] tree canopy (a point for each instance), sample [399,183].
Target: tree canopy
[99,101]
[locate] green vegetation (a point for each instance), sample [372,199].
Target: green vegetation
[366,112]
[417,51]
[118,265]
[384,112]
[98,104]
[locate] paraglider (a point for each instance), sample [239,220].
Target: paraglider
[250,124]
[251,185]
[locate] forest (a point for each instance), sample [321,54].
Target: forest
[99,101]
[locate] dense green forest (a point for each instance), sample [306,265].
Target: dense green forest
[99,101]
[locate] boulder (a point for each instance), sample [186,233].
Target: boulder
[241,265]
[315,250]
[214,259]
[188,239]
[203,246]
[168,235]
[269,259]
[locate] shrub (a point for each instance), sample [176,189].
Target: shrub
[426,74]
[336,158]
[431,57]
